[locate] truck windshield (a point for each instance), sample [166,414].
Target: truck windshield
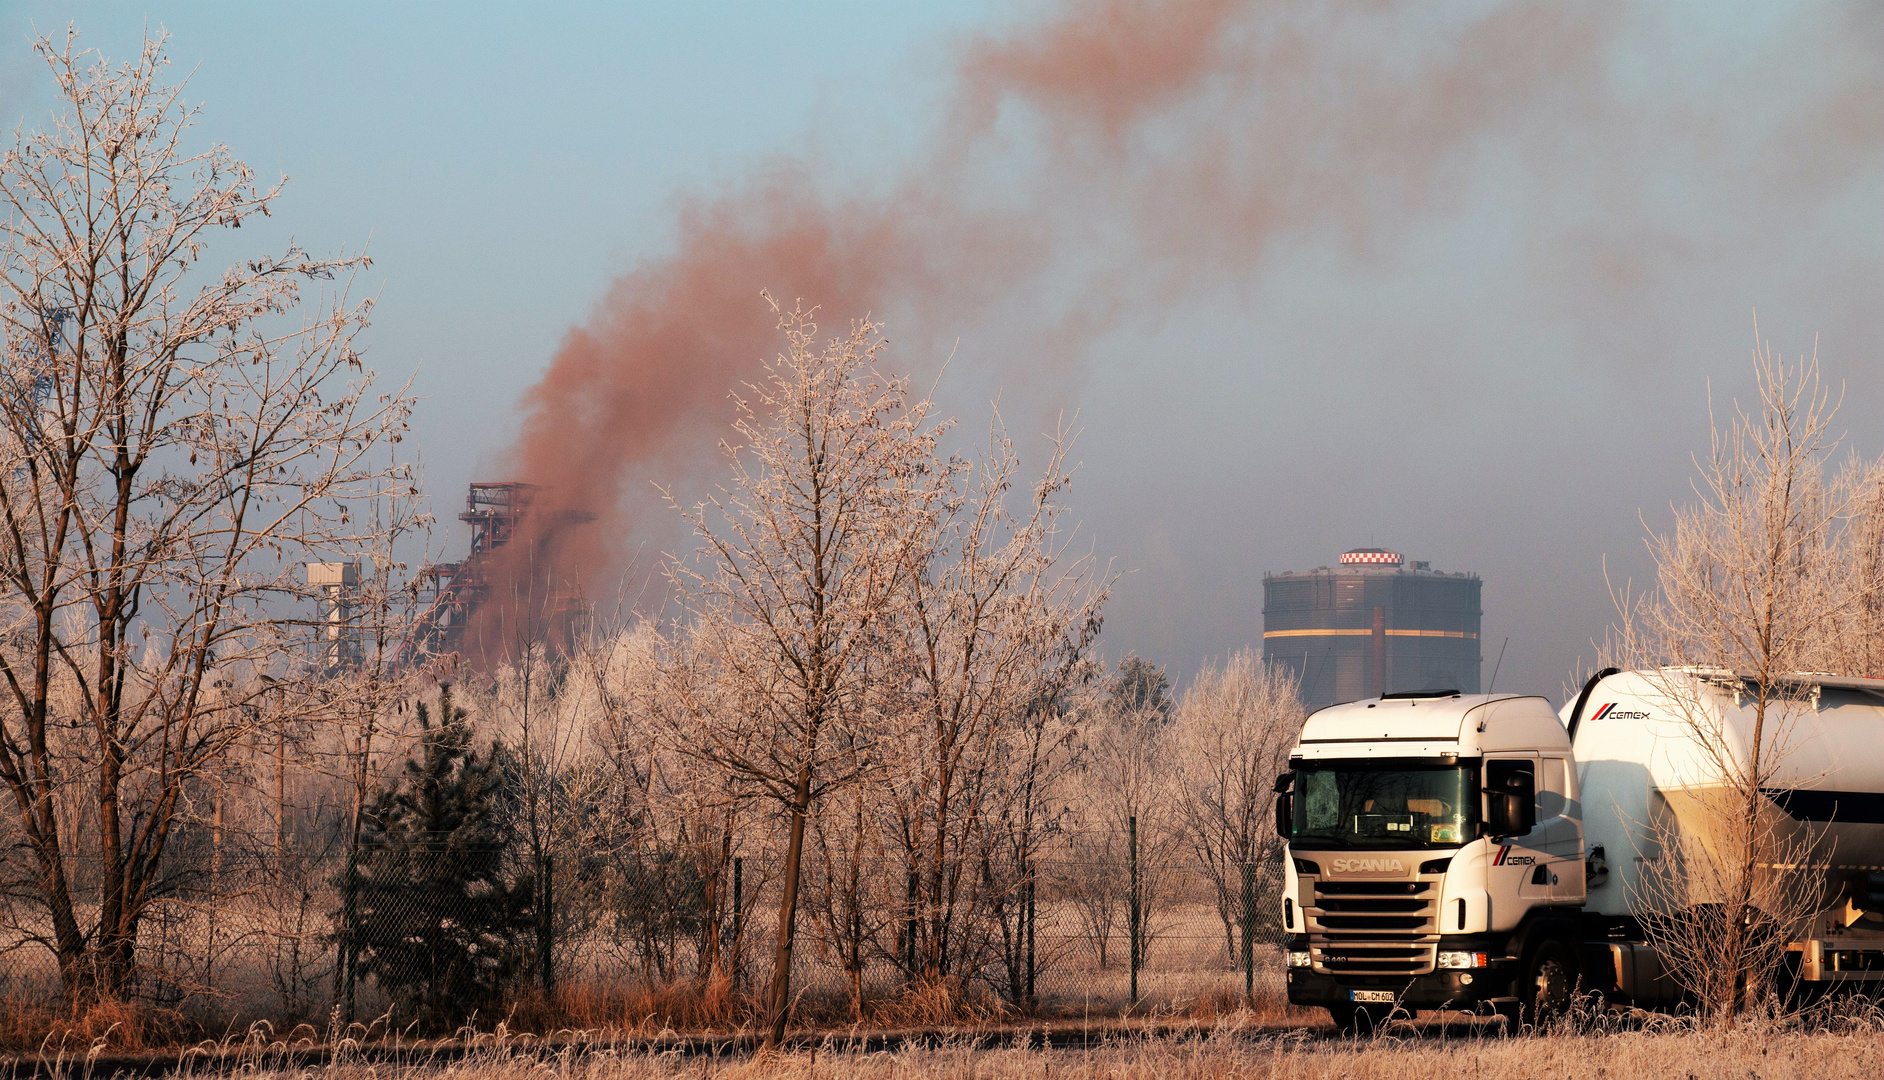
[1384,804]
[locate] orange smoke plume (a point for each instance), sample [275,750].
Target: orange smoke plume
[1205,129]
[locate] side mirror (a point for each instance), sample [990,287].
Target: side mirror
[1285,805]
[1511,797]
[1507,813]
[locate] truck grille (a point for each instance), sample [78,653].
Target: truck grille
[1374,927]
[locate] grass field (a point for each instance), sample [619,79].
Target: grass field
[1848,1044]
[208,972]
[1763,1055]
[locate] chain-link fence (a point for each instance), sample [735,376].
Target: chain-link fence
[302,937]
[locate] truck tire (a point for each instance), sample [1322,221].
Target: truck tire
[1343,1017]
[1550,980]
[1359,1021]
[1793,992]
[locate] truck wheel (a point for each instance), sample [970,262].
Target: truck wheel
[1786,983]
[1343,1017]
[1356,1020]
[1549,979]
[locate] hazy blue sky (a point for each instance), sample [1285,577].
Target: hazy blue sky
[1490,348]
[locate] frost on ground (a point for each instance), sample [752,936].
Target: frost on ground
[1762,1054]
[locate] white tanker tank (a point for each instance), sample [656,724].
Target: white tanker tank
[1651,748]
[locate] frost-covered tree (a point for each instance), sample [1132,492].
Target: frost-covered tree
[1140,688]
[1764,574]
[1000,618]
[1229,737]
[180,439]
[803,564]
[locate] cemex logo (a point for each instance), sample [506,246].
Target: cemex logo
[1610,712]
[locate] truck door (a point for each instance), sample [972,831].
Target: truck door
[1559,830]
[1518,860]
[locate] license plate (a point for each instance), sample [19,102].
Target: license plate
[1371,995]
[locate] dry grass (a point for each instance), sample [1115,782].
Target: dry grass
[1606,1057]
[941,1003]
[716,1005]
[34,1024]
[1844,1040]
[601,989]
[592,1036]
[638,1008]
[608,1010]
[1225,1053]
[1227,1007]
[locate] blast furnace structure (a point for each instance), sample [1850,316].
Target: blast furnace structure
[496,602]
[1371,625]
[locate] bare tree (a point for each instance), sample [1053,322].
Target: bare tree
[535,706]
[1855,644]
[802,566]
[1126,800]
[668,822]
[705,808]
[1754,584]
[1041,757]
[614,812]
[1723,887]
[184,440]
[998,617]
[1229,738]
[852,905]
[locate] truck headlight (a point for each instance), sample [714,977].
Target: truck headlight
[1299,959]
[1455,961]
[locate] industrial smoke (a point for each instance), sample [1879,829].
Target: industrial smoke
[1093,168]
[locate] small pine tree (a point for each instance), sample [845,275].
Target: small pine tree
[1141,689]
[439,922]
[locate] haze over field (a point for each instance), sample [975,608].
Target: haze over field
[1452,280]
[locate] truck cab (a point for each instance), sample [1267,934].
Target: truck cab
[1435,857]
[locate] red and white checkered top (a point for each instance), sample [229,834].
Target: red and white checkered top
[1390,557]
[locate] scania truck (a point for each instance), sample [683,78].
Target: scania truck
[1485,852]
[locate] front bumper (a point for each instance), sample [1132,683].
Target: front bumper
[1437,990]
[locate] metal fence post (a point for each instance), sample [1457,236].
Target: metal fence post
[739,883]
[1249,924]
[1030,930]
[546,930]
[1133,917]
[909,931]
[350,934]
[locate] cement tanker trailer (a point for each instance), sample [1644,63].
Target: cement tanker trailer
[1451,851]
[1645,745]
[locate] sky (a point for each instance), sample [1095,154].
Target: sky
[1457,280]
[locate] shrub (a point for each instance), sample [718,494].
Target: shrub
[439,922]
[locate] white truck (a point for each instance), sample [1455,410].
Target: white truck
[1475,852]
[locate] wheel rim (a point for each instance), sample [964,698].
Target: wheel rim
[1553,980]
